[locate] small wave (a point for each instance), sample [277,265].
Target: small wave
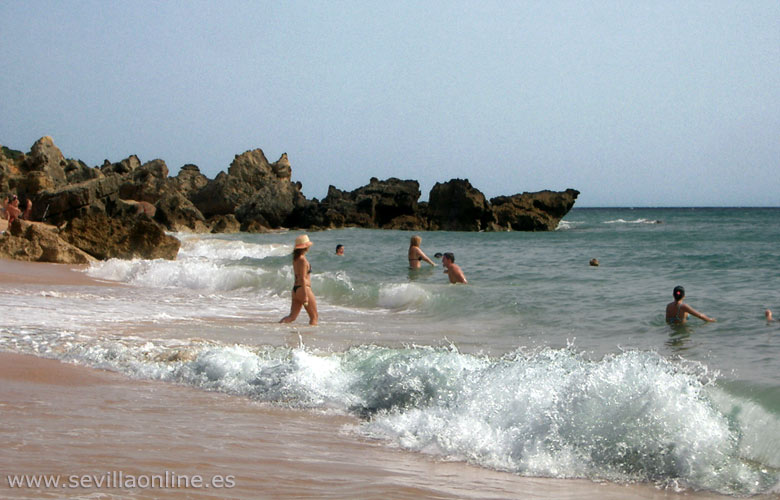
[633,416]
[402,296]
[565,225]
[636,221]
[220,249]
[197,274]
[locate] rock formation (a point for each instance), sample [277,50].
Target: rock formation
[36,242]
[123,209]
[457,206]
[541,211]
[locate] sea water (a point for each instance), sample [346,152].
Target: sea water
[542,365]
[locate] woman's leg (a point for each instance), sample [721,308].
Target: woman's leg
[311,307]
[295,308]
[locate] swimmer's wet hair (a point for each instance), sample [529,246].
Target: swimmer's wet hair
[678,292]
[449,255]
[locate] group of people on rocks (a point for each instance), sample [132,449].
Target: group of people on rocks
[11,210]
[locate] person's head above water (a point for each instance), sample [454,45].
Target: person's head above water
[415,241]
[678,293]
[449,256]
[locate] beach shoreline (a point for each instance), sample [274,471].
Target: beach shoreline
[51,406]
[67,420]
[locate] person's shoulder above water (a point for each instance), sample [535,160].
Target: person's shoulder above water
[677,312]
[452,270]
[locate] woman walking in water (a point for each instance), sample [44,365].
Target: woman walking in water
[302,296]
[416,254]
[677,312]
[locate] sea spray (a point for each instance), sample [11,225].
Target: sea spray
[631,416]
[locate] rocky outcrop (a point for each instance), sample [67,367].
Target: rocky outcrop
[123,237]
[177,213]
[253,190]
[540,211]
[189,180]
[36,242]
[377,204]
[47,158]
[60,205]
[458,206]
[122,209]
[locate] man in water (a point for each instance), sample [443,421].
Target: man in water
[452,270]
[339,249]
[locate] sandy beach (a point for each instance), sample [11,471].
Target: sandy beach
[87,427]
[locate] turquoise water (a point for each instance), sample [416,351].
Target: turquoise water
[542,365]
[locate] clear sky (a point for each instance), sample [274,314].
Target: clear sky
[634,103]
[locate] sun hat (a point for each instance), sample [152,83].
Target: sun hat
[302,241]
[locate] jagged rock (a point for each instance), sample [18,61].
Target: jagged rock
[254,226]
[119,200]
[47,158]
[408,223]
[225,224]
[146,183]
[126,166]
[177,213]
[74,200]
[127,237]
[78,171]
[11,162]
[540,211]
[458,206]
[376,204]
[37,242]
[189,180]
[252,189]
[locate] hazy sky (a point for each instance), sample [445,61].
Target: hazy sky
[634,103]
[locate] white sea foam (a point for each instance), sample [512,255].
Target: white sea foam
[565,225]
[635,221]
[632,416]
[192,273]
[221,249]
[402,296]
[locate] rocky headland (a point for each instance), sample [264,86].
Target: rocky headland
[123,209]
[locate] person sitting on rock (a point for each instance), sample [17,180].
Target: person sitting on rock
[12,210]
[27,210]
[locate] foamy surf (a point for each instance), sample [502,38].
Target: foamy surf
[633,416]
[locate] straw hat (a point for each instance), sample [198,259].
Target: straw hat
[302,241]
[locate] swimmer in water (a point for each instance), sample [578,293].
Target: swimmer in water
[677,312]
[416,255]
[451,269]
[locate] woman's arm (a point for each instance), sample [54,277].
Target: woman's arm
[693,312]
[425,257]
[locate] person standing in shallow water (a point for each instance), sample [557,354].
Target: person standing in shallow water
[416,255]
[451,269]
[302,296]
[677,312]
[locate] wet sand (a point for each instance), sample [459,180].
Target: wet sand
[67,420]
